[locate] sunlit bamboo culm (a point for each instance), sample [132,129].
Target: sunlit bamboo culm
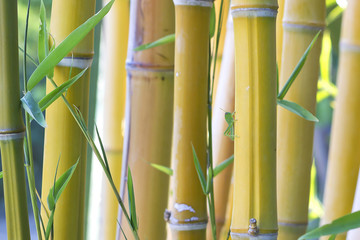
[279,32]
[150,89]
[344,155]
[295,134]
[12,129]
[223,146]
[188,209]
[254,206]
[64,142]
[115,37]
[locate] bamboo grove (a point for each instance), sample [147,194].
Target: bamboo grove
[208,119]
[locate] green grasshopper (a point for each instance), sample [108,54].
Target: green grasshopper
[229,132]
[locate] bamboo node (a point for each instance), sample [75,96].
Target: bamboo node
[11,136]
[200,3]
[253,229]
[167,215]
[76,62]
[253,12]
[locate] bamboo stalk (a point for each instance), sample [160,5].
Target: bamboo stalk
[63,138]
[279,32]
[295,134]
[255,120]
[188,210]
[344,157]
[223,146]
[12,129]
[115,35]
[149,111]
[229,206]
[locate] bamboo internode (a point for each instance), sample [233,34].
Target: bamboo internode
[279,33]
[254,207]
[188,209]
[12,126]
[223,146]
[64,141]
[149,110]
[115,36]
[344,157]
[294,157]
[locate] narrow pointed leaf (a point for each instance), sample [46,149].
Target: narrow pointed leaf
[163,169]
[199,170]
[1,175]
[32,107]
[102,150]
[59,186]
[131,196]
[49,224]
[164,40]
[212,22]
[297,69]
[223,165]
[43,48]
[333,237]
[28,56]
[66,46]
[56,93]
[340,225]
[298,110]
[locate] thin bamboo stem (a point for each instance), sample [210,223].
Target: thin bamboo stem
[63,138]
[188,210]
[294,157]
[12,128]
[149,110]
[115,35]
[223,146]
[254,210]
[344,155]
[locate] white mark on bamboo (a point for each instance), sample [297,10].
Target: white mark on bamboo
[193,219]
[177,74]
[180,207]
[248,87]
[253,12]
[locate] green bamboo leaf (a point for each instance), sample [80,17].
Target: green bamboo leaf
[43,48]
[333,237]
[29,57]
[59,186]
[103,150]
[340,225]
[223,165]
[131,196]
[199,170]
[32,107]
[209,180]
[49,225]
[56,93]
[1,175]
[66,46]
[212,22]
[298,110]
[297,69]
[163,169]
[334,14]
[164,40]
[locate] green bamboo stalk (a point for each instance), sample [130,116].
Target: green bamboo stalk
[12,128]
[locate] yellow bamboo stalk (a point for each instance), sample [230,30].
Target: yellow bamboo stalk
[63,138]
[188,210]
[344,157]
[115,35]
[295,134]
[279,32]
[149,113]
[223,146]
[354,234]
[12,129]
[255,120]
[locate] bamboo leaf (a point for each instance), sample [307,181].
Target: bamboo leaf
[32,107]
[1,175]
[298,110]
[163,169]
[223,165]
[199,170]
[59,186]
[164,40]
[49,225]
[43,48]
[297,69]
[334,14]
[28,56]
[66,46]
[209,180]
[212,22]
[340,225]
[131,196]
[332,237]
[103,150]
[57,92]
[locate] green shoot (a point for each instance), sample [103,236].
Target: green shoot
[163,169]
[164,40]
[131,197]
